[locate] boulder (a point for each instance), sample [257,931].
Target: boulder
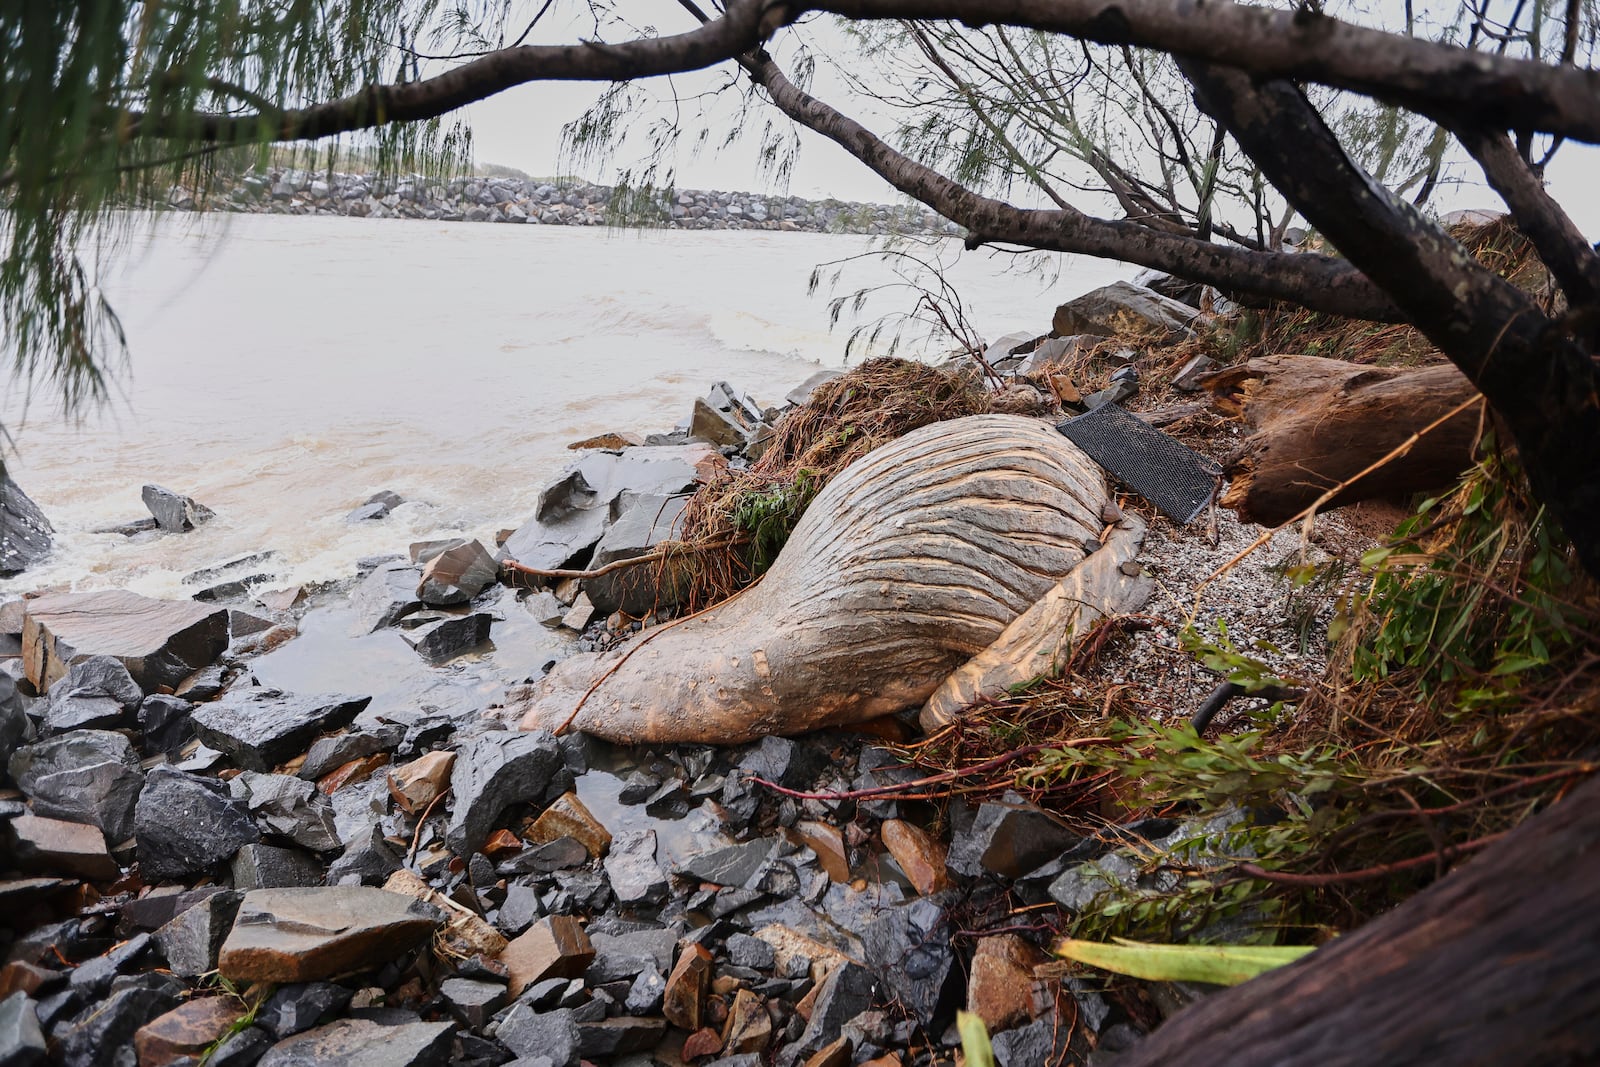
[376,506]
[554,947]
[908,948]
[258,866]
[13,718]
[302,935]
[1123,308]
[441,640]
[187,1031]
[186,824]
[364,1043]
[24,531]
[457,574]
[21,1040]
[1009,837]
[630,864]
[50,846]
[552,1034]
[97,693]
[645,522]
[160,642]
[192,938]
[493,773]
[88,776]
[174,512]
[108,1025]
[259,728]
[386,596]
[164,724]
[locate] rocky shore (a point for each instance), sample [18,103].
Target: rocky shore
[199,868]
[546,203]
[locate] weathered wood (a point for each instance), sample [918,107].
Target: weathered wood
[913,559]
[1040,640]
[1493,964]
[1319,422]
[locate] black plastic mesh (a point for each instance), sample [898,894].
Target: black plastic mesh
[1174,478]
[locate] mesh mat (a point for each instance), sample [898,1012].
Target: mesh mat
[1176,479]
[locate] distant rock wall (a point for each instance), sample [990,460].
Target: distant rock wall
[515,200]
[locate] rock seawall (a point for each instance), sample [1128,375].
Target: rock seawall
[545,203]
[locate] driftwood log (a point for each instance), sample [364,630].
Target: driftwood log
[912,560]
[1317,423]
[1494,964]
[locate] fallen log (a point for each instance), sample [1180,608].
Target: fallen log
[913,559]
[1317,423]
[1493,964]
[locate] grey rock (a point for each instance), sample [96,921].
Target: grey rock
[624,956]
[551,1033]
[376,506]
[186,824]
[164,723]
[472,1001]
[367,858]
[444,639]
[1123,307]
[747,951]
[161,642]
[260,866]
[161,905]
[13,719]
[1041,1041]
[218,570]
[801,394]
[457,574]
[88,776]
[260,728]
[1189,375]
[644,522]
[558,855]
[363,1043]
[420,552]
[644,996]
[289,807]
[330,753]
[1009,837]
[294,1009]
[106,1026]
[790,763]
[191,939]
[358,808]
[636,878]
[731,865]
[174,512]
[846,992]
[97,693]
[24,531]
[606,1039]
[243,1049]
[493,773]
[92,978]
[21,1040]
[908,948]
[386,596]
[520,910]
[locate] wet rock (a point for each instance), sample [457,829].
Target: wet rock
[88,776]
[644,523]
[1000,984]
[13,718]
[421,552]
[386,596]
[160,642]
[566,817]
[493,773]
[174,512]
[636,878]
[97,693]
[828,844]
[457,574]
[269,867]
[530,1033]
[92,978]
[376,506]
[623,956]
[294,1009]
[554,947]
[218,570]
[790,763]
[606,1039]
[24,531]
[193,937]
[364,1043]
[908,948]
[328,754]
[921,858]
[752,952]
[520,910]
[186,1032]
[259,728]
[108,1025]
[1008,837]
[580,614]
[243,1049]
[465,935]
[845,993]
[473,1001]
[644,996]
[1123,308]
[685,990]
[21,1040]
[444,639]
[164,724]
[731,865]
[419,783]
[367,858]
[558,855]
[749,1027]
[185,824]
[289,807]
[1041,1041]
[301,935]
[51,846]
[544,606]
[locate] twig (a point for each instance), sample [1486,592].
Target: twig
[1366,873]
[416,838]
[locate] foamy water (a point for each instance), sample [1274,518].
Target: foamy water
[283,369]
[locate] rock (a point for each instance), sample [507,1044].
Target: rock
[574,511]
[367,858]
[212,573]
[520,909]
[88,776]
[749,1027]
[386,596]
[50,846]
[421,552]
[457,574]
[801,394]
[160,642]
[301,935]
[108,1025]
[419,783]
[1041,1041]
[845,993]
[21,1040]
[294,1009]
[623,956]
[444,639]
[828,844]
[545,607]
[24,531]
[1123,308]
[328,754]
[185,1032]
[554,947]
[163,904]
[193,937]
[289,807]
[243,1049]
[164,724]
[605,1040]
[493,773]
[465,935]
[752,952]
[530,1033]
[281,599]
[472,1001]
[1000,984]
[908,948]
[580,614]
[269,867]
[790,763]
[97,693]
[835,1054]
[614,440]
[185,824]
[686,987]
[13,718]
[1189,375]
[259,728]
[173,512]
[364,1043]
[636,878]
[377,506]
[921,858]
[1009,837]
[644,523]
[729,865]
[567,817]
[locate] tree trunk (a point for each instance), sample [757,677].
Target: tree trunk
[1319,422]
[1494,964]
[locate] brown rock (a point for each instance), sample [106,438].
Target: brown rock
[1000,987]
[702,1043]
[554,947]
[825,841]
[749,1027]
[21,976]
[836,1054]
[185,1031]
[419,783]
[465,934]
[686,985]
[161,642]
[52,846]
[919,856]
[608,440]
[281,599]
[364,1043]
[301,935]
[357,770]
[888,1059]
[500,843]
[567,817]
[787,943]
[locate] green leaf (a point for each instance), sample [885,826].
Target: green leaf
[974,1040]
[1216,964]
